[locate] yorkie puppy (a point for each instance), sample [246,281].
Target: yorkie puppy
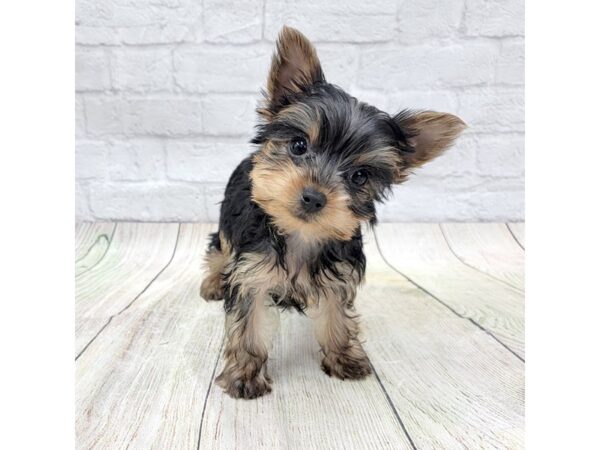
[289,231]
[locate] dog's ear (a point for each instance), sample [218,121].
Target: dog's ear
[295,65]
[427,134]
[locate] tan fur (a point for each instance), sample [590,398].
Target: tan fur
[434,133]
[294,64]
[277,187]
[215,262]
[250,328]
[337,331]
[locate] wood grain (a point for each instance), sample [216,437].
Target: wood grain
[91,243]
[138,252]
[488,247]
[453,385]
[420,252]
[142,383]
[518,231]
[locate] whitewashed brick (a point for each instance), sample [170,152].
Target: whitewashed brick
[511,63]
[428,67]
[442,101]
[230,69]
[90,160]
[92,69]
[232,20]
[428,19]
[82,204]
[195,161]
[229,115]
[331,21]
[499,201]
[495,17]
[375,98]
[339,63]
[143,69]
[213,197]
[96,35]
[493,109]
[104,116]
[500,156]
[457,161]
[79,117]
[136,160]
[163,116]
[148,201]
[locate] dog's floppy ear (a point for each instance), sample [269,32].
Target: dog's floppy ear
[295,65]
[427,134]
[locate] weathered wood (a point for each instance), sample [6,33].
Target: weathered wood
[453,385]
[142,382]
[420,252]
[91,243]
[138,252]
[518,231]
[306,409]
[488,247]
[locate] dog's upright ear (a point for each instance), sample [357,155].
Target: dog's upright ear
[427,134]
[294,66]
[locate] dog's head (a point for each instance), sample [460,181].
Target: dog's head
[325,158]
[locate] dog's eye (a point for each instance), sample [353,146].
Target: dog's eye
[359,177]
[298,146]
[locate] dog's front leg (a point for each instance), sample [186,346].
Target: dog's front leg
[337,330]
[250,323]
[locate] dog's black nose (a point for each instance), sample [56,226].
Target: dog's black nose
[312,200]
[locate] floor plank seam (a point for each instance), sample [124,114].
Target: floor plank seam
[457,256]
[136,297]
[418,286]
[110,238]
[514,237]
[395,411]
[212,378]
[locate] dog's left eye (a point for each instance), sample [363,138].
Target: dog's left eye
[298,146]
[359,177]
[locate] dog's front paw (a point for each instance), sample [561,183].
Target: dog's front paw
[211,288]
[245,388]
[352,365]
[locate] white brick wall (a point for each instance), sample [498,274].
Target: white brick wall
[166,91]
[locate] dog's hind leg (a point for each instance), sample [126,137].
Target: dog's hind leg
[217,256]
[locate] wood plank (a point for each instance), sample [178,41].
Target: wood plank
[91,242]
[306,409]
[518,231]
[453,385]
[143,381]
[420,252]
[138,252]
[488,247]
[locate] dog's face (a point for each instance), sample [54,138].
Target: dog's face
[325,157]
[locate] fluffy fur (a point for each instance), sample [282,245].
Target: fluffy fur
[272,250]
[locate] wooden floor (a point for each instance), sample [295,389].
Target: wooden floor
[443,320]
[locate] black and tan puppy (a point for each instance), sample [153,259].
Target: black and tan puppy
[289,232]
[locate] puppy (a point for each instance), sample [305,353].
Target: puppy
[289,230]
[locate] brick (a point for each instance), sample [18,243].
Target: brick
[500,156]
[495,17]
[163,117]
[137,22]
[204,162]
[333,21]
[92,69]
[79,117]
[340,64]
[428,67]
[425,20]
[231,69]
[104,115]
[232,21]
[229,115]
[141,70]
[82,204]
[213,196]
[136,160]
[493,109]
[90,160]
[457,161]
[148,201]
[499,201]
[511,63]
[442,101]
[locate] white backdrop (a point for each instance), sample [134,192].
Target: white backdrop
[166,91]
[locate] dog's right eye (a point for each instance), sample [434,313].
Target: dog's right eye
[298,146]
